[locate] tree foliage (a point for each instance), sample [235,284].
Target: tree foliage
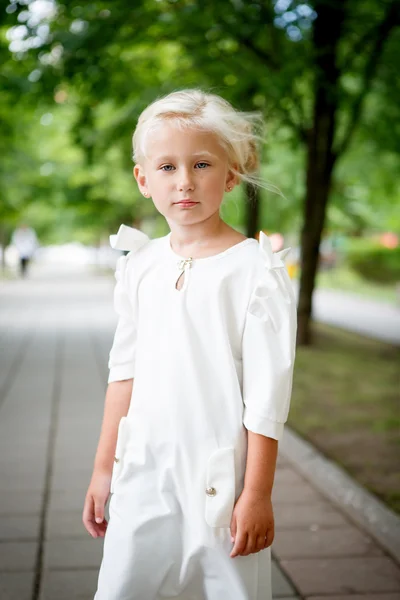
[323,73]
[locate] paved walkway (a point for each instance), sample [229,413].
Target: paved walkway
[379,320]
[55,334]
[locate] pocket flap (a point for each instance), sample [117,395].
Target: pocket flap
[122,438]
[220,487]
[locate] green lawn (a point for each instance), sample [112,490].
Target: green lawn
[346,401]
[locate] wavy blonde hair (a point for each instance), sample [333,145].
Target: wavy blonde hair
[239,133]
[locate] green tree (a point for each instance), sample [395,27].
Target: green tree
[312,68]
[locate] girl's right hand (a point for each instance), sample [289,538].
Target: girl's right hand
[95,502]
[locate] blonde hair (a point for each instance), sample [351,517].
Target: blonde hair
[239,133]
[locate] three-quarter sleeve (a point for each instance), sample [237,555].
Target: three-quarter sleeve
[268,347]
[122,355]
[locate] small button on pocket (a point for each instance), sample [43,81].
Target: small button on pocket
[211,491]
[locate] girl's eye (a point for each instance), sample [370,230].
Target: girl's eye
[169,168]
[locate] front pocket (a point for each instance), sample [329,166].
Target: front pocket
[122,438]
[220,487]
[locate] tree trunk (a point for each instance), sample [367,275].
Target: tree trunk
[252,209]
[320,154]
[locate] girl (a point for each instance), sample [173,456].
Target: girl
[206,331]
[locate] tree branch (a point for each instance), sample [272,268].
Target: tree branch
[391,20]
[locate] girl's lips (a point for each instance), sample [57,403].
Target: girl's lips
[186,203]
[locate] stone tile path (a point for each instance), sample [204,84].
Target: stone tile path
[55,334]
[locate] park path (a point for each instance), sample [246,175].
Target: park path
[378,320]
[55,334]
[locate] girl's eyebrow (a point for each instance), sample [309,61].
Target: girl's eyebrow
[170,157]
[205,153]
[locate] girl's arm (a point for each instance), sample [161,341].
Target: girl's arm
[252,525]
[268,355]
[116,405]
[261,463]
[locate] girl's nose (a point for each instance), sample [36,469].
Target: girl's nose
[185,181]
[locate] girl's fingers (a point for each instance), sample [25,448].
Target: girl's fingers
[102,528]
[98,511]
[260,543]
[250,546]
[90,516]
[269,537]
[87,517]
[240,543]
[233,528]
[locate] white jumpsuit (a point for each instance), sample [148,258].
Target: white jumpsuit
[209,361]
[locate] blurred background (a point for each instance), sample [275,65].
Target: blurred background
[74,78]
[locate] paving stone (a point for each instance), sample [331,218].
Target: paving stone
[20,502]
[282,462]
[63,524]
[384,596]
[281,586]
[23,468]
[343,575]
[74,554]
[17,556]
[67,500]
[71,479]
[307,515]
[17,481]
[16,439]
[283,493]
[16,586]
[63,462]
[20,455]
[19,527]
[322,543]
[287,475]
[82,436]
[69,585]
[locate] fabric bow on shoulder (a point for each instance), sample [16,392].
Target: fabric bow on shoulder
[273,260]
[273,284]
[128,238]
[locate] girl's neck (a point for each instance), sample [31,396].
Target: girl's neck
[196,242]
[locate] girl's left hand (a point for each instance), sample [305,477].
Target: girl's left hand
[252,524]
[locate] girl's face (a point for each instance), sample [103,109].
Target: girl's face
[186,164]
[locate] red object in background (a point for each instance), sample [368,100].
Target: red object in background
[389,239]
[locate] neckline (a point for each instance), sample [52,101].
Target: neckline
[208,258]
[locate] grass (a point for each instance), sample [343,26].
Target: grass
[346,402]
[344,278]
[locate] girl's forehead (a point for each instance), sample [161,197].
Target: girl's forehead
[170,138]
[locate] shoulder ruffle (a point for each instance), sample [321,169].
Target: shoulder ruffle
[273,286]
[131,240]
[273,260]
[128,238]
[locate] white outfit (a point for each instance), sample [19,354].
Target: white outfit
[210,361]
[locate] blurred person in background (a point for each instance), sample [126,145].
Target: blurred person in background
[25,241]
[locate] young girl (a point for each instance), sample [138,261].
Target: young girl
[200,373]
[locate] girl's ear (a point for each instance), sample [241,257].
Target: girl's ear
[141,179]
[231,178]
